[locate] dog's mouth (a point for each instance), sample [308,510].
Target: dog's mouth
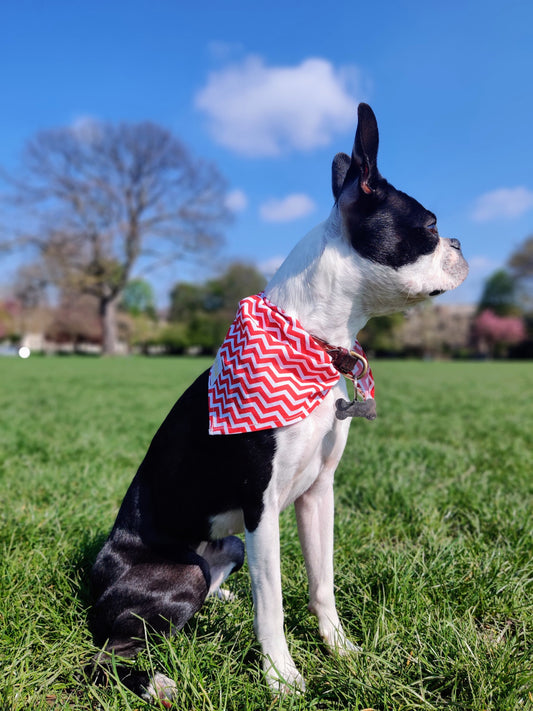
[437,292]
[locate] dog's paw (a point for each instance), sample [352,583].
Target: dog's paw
[161,689]
[344,647]
[283,677]
[338,642]
[224,595]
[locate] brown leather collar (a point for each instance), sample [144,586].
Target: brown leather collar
[344,360]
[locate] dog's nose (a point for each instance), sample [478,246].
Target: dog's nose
[455,243]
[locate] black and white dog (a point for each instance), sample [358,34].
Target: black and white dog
[172,544]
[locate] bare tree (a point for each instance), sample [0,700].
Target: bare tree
[30,286]
[102,196]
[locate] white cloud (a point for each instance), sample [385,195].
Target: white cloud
[503,203]
[258,110]
[286,209]
[236,200]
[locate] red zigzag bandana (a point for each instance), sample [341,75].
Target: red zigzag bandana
[269,372]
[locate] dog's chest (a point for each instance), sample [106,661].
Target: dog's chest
[303,453]
[308,450]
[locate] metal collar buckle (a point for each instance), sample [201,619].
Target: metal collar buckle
[363,361]
[344,360]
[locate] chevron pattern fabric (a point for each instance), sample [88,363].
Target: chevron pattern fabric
[268,373]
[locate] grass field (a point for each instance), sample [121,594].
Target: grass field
[434,549]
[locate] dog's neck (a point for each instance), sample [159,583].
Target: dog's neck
[321,284]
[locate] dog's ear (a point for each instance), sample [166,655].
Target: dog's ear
[365,148]
[339,170]
[360,172]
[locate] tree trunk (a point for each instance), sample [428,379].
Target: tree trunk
[108,315]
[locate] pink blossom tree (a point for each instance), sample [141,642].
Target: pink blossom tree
[494,334]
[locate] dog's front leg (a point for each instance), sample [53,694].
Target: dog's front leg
[263,551]
[314,515]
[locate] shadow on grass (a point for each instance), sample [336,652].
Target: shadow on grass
[82,562]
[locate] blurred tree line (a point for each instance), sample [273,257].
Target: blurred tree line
[198,317]
[94,202]
[199,314]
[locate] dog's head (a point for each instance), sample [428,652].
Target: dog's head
[396,237]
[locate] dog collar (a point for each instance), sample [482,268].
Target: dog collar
[270,372]
[353,364]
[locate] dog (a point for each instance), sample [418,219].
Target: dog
[173,542]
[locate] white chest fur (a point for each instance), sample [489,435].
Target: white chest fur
[307,449]
[304,452]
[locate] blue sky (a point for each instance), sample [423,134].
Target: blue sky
[268,91]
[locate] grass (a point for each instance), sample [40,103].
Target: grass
[434,549]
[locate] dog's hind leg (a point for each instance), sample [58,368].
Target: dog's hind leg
[224,556]
[149,597]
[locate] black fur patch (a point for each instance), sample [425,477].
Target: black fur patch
[148,567]
[390,227]
[188,475]
[384,225]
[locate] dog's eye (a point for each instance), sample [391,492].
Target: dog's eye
[433,227]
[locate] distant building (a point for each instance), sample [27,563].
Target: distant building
[432,329]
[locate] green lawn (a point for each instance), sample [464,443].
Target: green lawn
[434,549]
